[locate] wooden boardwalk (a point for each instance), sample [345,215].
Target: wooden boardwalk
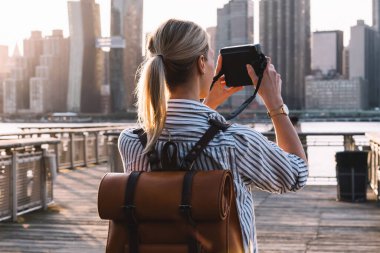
[308,221]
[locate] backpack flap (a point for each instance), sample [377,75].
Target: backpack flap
[158,196]
[111,196]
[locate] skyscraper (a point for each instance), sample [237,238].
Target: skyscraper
[235,27]
[126,22]
[327,51]
[376,14]
[234,24]
[86,61]
[212,39]
[285,37]
[9,96]
[53,69]
[11,83]
[33,47]
[364,59]
[4,60]
[346,63]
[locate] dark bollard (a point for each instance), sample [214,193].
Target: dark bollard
[352,175]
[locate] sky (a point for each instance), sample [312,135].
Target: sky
[19,17]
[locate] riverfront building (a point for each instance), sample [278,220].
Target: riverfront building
[21,73]
[212,36]
[86,61]
[285,37]
[234,24]
[365,59]
[4,60]
[336,94]
[126,22]
[327,51]
[346,63]
[9,96]
[235,27]
[376,14]
[26,68]
[49,86]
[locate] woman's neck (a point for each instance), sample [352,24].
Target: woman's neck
[188,90]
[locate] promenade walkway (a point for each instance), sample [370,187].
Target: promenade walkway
[308,221]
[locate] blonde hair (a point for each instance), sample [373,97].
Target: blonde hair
[172,50]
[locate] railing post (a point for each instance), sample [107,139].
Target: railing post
[14,185]
[57,156]
[85,149]
[111,156]
[72,154]
[54,135]
[97,147]
[43,177]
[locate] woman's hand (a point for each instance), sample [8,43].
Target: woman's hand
[219,92]
[270,92]
[270,88]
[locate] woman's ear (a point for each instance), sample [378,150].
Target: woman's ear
[201,64]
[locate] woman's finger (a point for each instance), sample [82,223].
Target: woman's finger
[218,65]
[251,73]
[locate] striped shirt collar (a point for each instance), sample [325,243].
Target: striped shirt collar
[189,113]
[188,105]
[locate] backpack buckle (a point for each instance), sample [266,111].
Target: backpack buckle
[184,208]
[130,213]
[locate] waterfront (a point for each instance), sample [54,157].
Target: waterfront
[307,221]
[321,149]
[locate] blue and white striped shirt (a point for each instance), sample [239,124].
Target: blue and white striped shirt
[253,160]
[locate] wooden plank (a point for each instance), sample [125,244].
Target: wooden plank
[307,221]
[313,221]
[72,224]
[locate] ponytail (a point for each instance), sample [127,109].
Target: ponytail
[172,51]
[152,99]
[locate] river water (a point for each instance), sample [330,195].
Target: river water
[321,158]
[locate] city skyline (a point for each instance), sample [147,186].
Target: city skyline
[284,31]
[54,16]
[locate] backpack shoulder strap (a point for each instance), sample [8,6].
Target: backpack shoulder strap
[142,136]
[189,160]
[152,154]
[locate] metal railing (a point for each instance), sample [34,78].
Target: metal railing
[78,146]
[26,176]
[29,161]
[346,141]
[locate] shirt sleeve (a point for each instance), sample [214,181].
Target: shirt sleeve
[265,165]
[131,151]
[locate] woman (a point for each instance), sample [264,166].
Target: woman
[176,74]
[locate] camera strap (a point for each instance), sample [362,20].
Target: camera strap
[246,102]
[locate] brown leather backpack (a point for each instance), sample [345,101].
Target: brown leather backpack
[171,210]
